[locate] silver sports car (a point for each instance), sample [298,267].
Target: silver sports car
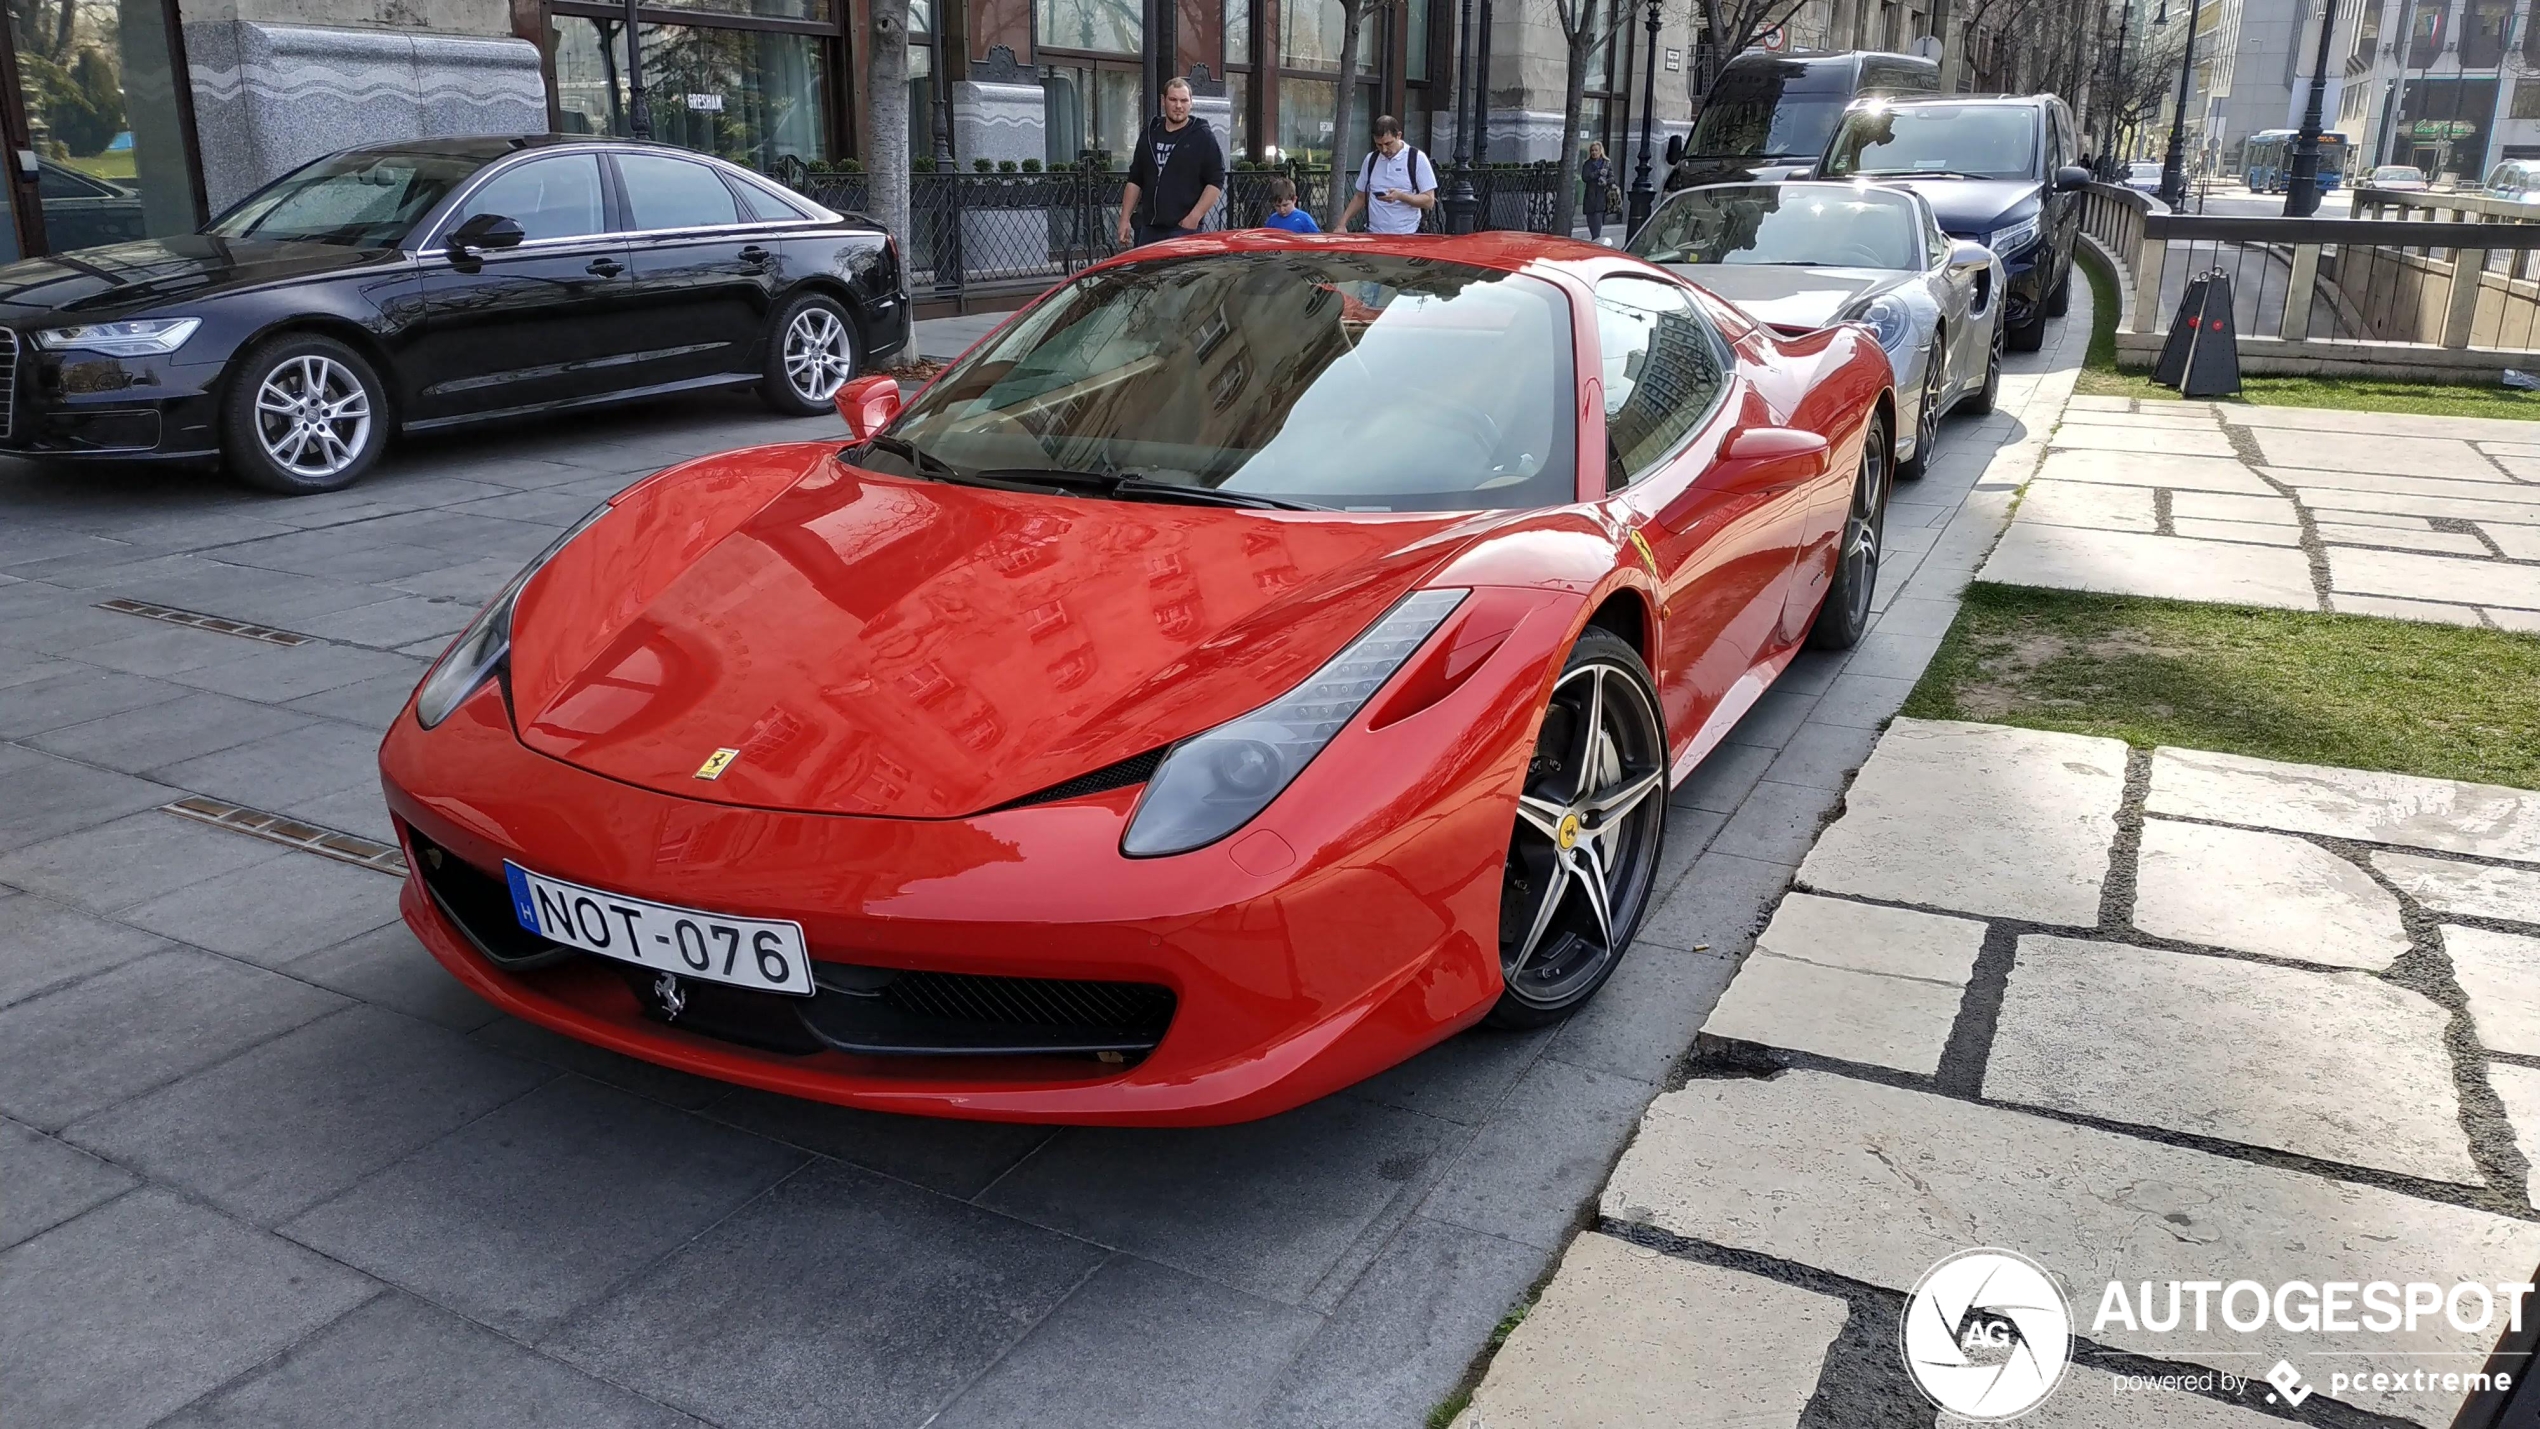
[1801,256]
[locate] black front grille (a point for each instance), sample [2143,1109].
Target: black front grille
[1032,1001]
[8,383]
[1136,769]
[481,905]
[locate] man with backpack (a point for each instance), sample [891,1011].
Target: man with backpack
[1176,176]
[1396,184]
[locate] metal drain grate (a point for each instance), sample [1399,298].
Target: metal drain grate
[292,833]
[221,625]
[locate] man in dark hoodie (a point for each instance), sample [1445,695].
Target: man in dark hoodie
[1177,175]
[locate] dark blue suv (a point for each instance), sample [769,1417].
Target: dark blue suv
[2004,172]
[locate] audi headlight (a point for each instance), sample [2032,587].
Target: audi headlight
[144,337]
[1213,783]
[2013,238]
[1888,317]
[481,649]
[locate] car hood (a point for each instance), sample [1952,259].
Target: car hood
[880,646]
[1971,208]
[1701,170]
[122,279]
[1792,299]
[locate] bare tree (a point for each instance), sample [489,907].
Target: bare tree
[1355,15]
[1730,27]
[887,122]
[1577,19]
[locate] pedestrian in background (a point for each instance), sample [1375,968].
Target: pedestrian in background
[1176,176]
[1284,214]
[1396,184]
[1595,176]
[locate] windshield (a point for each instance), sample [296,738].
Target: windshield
[2144,171]
[1976,141]
[356,200]
[1808,224]
[1356,381]
[1779,108]
[2394,171]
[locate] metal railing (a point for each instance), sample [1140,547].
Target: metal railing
[985,232]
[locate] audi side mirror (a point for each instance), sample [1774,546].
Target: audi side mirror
[486,230]
[1675,150]
[2071,177]
[869,404]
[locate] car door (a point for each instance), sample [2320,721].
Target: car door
[529,326]
[2063,207]
[704,276]
[1721,546]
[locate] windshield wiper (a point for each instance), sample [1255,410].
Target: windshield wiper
[932,466]
[1909,174]
[1131,486]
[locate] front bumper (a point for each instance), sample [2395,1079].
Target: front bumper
[85,404]
[1362,930]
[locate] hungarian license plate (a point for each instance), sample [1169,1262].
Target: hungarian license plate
[762,953]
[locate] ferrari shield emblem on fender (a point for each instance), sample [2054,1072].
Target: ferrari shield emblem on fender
[1648,557]
[716,763]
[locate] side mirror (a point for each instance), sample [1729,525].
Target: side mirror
[485,230]
[1770,459]
[2071,177]
[869,404]
[1967,253]
[1675,150]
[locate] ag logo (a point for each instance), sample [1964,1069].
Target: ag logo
[1987,1334]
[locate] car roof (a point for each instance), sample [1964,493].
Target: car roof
[489,147]
[1960,101]
[1507,252]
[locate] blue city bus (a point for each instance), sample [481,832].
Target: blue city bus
[2266,161]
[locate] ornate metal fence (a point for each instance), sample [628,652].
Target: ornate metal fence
[1004,231]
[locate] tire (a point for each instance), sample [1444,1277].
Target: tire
[1845,616]
[1981,404]
[1927,412]
[1605,791]
[303,414]
[2062,297]
[810,355]
[2031,335]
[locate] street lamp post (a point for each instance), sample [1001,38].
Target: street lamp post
[2173,177]
[948,263]
[1636,209]
[1460,201]
[2302,186]
[2116,92]
[639,113]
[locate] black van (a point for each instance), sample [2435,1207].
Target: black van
[1766,110]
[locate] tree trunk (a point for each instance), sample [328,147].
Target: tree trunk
[1344,152]
[886,133]
[1573,17]
[64,34]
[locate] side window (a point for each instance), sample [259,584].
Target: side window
[548,198]
[673,193]
[766,205]
[1661,372]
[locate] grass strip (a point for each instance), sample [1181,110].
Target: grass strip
[2350,690]
[2100,378]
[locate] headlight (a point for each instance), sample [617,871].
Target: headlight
[482,648]
[2011,238]
[1213,783]
[142,338]
[1888,317]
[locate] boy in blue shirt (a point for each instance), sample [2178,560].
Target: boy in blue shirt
[1286,214]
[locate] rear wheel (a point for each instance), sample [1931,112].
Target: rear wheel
[2062,297]
[1584,853]
[1845,616]
[810,355]
[305,414]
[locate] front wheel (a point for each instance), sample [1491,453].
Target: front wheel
[1982,403]
[1926,412]
[810,355]
[2062,298]
[1583,857]
[1845,617]
[305,414]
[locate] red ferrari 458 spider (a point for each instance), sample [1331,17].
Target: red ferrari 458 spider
[1257,661]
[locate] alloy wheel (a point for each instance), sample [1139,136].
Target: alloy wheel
[1585,849]
[1927,419]
[1864,525]
[818,357]
[313,416]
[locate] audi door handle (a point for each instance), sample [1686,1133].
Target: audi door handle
[605,267]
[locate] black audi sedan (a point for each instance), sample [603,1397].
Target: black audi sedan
[428,284]
[2004,171]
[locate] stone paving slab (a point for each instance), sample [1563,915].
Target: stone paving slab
[1853,981]
[2173,568]
[2335,1066]
[2150,469]
[2263,893]
[1627,1338]
[2472,889]
[2031,814]
[1879,1183]
[2501,974]
[2442,815]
